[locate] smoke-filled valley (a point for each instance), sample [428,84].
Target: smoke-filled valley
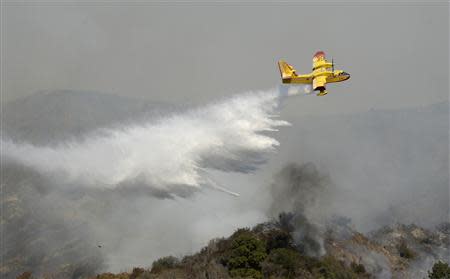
[94,182]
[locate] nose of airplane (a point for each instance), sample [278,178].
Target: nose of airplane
[347,75]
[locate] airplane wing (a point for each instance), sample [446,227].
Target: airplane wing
[288,74]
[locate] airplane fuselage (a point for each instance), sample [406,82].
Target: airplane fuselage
[322,73]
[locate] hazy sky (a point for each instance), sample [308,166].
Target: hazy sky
[193,52]
[188,52]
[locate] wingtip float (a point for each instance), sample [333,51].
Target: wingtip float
[323,72]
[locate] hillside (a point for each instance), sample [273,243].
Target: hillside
[60,243]
[269,251]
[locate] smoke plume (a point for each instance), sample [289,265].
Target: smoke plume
[298,192]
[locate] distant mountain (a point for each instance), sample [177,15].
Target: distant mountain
[49,116]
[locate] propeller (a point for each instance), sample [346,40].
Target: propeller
[332,64]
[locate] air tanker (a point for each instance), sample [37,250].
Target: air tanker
[323,72]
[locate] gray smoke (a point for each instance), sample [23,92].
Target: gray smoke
[301,198]
[299,191]
[387,166]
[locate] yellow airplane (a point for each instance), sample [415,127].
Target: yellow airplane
[322,73]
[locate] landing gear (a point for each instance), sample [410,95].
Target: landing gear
[322,93]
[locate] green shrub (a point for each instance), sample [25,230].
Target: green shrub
[247,253]
[286,258]
[440,270]
[246,273]
[278,239]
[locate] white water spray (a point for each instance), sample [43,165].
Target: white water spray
[168,155]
